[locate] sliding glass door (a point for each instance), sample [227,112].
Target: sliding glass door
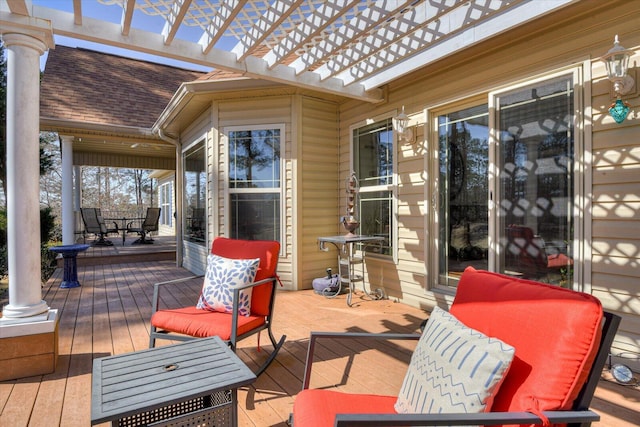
[505,185]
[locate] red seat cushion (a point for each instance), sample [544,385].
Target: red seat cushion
[203,323]
[267,250]
[318,408]
[555,331]
[558,261]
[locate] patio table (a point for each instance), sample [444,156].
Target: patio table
[191,383]
[123,225]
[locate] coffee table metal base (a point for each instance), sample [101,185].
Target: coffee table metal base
[212,410]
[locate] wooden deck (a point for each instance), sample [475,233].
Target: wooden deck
[109,315]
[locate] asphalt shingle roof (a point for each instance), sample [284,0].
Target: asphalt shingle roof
[88,86]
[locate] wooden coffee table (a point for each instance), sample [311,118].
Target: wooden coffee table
[190,383]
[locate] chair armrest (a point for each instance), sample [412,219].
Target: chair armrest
[484,418]
[254,284]
[157,286]
[346,335]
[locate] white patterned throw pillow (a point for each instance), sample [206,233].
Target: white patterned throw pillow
[223,275]
[454,369]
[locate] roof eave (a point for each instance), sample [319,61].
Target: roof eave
[188,90]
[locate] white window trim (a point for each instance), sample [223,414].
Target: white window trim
[393,187]
[201,138]
[227,188]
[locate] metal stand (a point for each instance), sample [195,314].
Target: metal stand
[350,264]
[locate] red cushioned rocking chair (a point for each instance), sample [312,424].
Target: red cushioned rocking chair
[187,323]
[561,340]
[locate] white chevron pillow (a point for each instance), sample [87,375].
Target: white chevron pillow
[454,369]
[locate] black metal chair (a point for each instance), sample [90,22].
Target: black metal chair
[149,224]
[94,224]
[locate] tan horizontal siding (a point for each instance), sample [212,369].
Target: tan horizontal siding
[615,210]
[318,198]
[622,193]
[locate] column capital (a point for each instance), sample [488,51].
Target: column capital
[26,31]
[66,138]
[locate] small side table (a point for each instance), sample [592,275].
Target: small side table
[186,384]
[70,253]
[347,261]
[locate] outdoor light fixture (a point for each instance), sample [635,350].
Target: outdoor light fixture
[402,127]
[617,62]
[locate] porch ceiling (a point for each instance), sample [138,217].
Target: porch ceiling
[346,47]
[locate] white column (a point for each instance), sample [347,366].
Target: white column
[23,172]
[68,223]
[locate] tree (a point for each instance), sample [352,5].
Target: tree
[51,172]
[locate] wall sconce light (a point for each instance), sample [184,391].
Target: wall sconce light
[617,63]
[402,127]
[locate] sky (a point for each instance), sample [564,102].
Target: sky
[113,13]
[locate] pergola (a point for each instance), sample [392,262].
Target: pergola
[344,47]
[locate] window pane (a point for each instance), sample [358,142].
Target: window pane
[464,191]
[166,193]
[195,184]
[375,208]
[255,216]
[254,158]
[373,159]
[536,185]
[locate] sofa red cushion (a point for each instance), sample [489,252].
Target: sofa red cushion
[203,323]
[318,408]
[555,331]
[267,250]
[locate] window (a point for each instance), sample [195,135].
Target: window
[518,220]
[165,193]
[255,182]
[373,163]
[195,186]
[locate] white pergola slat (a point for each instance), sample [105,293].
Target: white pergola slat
[309,29]
[178,10]
[273,17]
[346,47]
[409,20]
[128,7]
[219,24]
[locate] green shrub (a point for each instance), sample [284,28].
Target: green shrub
[47,233]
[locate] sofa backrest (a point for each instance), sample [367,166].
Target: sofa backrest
[555,331]
[268,251]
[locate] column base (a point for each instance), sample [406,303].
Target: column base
[28,347]
[24,314]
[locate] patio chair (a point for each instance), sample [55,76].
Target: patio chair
[149,224]
[561,340]
[233,304]
[527,253]
[94,224]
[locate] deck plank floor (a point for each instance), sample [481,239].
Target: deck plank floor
[109,314]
